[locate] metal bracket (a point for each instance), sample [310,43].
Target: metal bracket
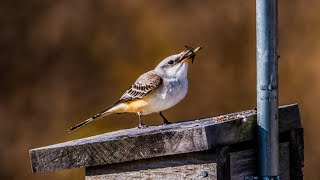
[262,178]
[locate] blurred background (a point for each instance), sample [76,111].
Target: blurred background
[63,61]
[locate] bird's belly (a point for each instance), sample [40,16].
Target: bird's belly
[165,97]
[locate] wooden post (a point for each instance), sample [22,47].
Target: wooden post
[296,153]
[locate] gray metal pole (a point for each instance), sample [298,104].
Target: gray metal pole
[267,87]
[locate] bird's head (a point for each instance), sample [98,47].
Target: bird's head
[177,64]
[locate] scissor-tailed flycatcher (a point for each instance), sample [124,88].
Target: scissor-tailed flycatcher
[154,91]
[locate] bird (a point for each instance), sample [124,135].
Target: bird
[154,91]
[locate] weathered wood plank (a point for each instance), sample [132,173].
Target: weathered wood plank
[197,171]
[155,141]
[296,154]
[223,163]
[191,166]
[197,165]
[243,163]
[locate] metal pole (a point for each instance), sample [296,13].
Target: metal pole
[267,88]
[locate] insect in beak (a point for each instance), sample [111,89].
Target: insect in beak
[190,53]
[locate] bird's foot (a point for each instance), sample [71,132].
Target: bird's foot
[142,126]
[166,122]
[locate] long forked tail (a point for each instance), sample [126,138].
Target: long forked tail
[95,117]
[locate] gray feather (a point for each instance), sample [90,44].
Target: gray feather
[143,86]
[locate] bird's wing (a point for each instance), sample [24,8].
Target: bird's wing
[143,86]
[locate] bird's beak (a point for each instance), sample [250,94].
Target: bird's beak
[189,54]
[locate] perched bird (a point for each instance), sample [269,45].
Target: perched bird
[154,91]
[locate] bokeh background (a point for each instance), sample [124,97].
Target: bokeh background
[63,61]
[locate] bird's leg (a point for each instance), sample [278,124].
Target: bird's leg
[141,126]
[165,120]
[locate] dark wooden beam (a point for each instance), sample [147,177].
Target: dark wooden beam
[244,163]
[155,141]
[296,154]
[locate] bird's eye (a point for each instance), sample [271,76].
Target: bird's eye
[170,62]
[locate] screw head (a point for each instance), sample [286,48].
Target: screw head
[204,174]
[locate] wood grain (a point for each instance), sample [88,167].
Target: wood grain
[198,165]
[155,141]
[176,172]
[243,163]
[296,154]
[210,164]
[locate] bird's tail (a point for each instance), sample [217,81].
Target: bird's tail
[100,115]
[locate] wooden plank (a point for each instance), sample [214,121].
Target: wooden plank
[176,172]
[243,163]
[296,154]
[223,163]
[134,144]
[196,165]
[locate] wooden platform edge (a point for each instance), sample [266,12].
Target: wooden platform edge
[156,141]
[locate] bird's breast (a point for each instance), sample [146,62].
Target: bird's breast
[169,94]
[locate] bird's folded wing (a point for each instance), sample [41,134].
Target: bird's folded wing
[143,86]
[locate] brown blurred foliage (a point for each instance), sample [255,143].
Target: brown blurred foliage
[63,61]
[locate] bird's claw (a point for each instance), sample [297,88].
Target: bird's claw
[142,126]
[166,123]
